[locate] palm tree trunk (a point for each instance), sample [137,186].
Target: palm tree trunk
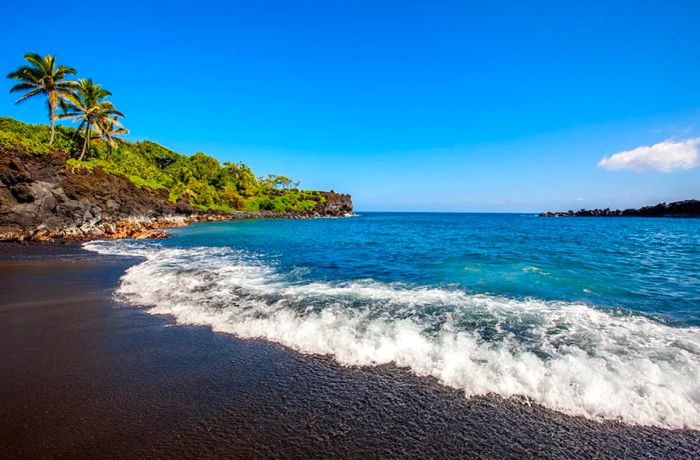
[86,142]
[52,122]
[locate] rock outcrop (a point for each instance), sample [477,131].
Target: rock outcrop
[687,208]
[334,205]
[42,199]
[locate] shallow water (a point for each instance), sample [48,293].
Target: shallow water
[592,317]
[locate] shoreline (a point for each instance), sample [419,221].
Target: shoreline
[676,209]
[143,227]
[43,198]
[88,376]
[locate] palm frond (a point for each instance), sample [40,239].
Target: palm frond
[32,93]
[26,86]
[25,73]
[66,70]
[73,100]
[34,58]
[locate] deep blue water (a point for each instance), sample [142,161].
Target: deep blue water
[590,316]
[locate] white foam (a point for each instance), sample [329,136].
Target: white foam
[566,356]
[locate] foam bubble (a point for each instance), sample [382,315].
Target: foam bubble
[566,356]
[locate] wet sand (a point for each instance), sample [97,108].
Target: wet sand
[83,376]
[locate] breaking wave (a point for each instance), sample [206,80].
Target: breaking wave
[570,357]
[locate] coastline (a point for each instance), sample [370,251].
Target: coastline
[676,209]
[142,227]
[87,376]
[43,198]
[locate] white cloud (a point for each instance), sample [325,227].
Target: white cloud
[665,156]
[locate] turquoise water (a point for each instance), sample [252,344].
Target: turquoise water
[646,265]
[590,316]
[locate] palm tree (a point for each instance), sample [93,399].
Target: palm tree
[110,129]
[43,76]
[88,106]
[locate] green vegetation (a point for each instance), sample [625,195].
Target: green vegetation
[199,178]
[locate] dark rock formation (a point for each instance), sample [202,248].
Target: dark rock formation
[335,205]
[43,199]
[687,208]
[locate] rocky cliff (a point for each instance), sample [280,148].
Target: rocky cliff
[687,208]
[43,199]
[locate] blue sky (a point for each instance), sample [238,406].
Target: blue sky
[488,106]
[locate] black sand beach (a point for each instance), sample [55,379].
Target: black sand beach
[86,377]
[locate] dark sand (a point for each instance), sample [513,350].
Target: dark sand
[82,376]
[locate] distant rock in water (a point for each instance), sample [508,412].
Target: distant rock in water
[43,199]
[687,208]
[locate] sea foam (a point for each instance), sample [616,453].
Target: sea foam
[570,357]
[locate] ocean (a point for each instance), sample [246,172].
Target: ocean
[594,317]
